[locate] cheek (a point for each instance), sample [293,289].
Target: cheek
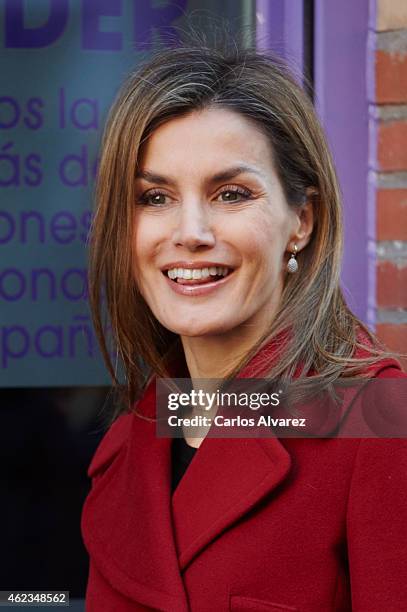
[145,243]
[262,243]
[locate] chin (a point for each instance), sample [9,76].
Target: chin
[196,329]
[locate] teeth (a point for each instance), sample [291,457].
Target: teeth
[197,273]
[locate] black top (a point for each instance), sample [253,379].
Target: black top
[182,454]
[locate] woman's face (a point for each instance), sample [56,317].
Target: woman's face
[212,226]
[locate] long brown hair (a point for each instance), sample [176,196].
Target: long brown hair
[177,81]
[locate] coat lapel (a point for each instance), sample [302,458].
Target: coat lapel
[225,479]
[126,521]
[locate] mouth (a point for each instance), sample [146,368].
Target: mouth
[197,281]
[198,275]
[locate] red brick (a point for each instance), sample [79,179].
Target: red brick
[391,214]
[391,285]
[394,336]
[392,145]
[391,77]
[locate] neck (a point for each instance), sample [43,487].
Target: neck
[212,357]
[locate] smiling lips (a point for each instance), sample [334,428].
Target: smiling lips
[196,273]
[196,276]
[193,280]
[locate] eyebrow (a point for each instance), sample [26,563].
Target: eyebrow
[225,175]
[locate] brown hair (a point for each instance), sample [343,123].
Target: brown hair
[175,82]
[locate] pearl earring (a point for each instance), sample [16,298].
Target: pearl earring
[292,265]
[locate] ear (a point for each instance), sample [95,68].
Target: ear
[304,221]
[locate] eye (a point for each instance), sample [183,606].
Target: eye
[154,198]
[233,193]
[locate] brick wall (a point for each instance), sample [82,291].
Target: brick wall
[388,170]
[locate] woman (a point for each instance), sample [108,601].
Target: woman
[217,243]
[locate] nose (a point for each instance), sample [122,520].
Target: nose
[193,229]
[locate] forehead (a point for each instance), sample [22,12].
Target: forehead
[198,142]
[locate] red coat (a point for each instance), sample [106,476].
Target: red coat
[258,524]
